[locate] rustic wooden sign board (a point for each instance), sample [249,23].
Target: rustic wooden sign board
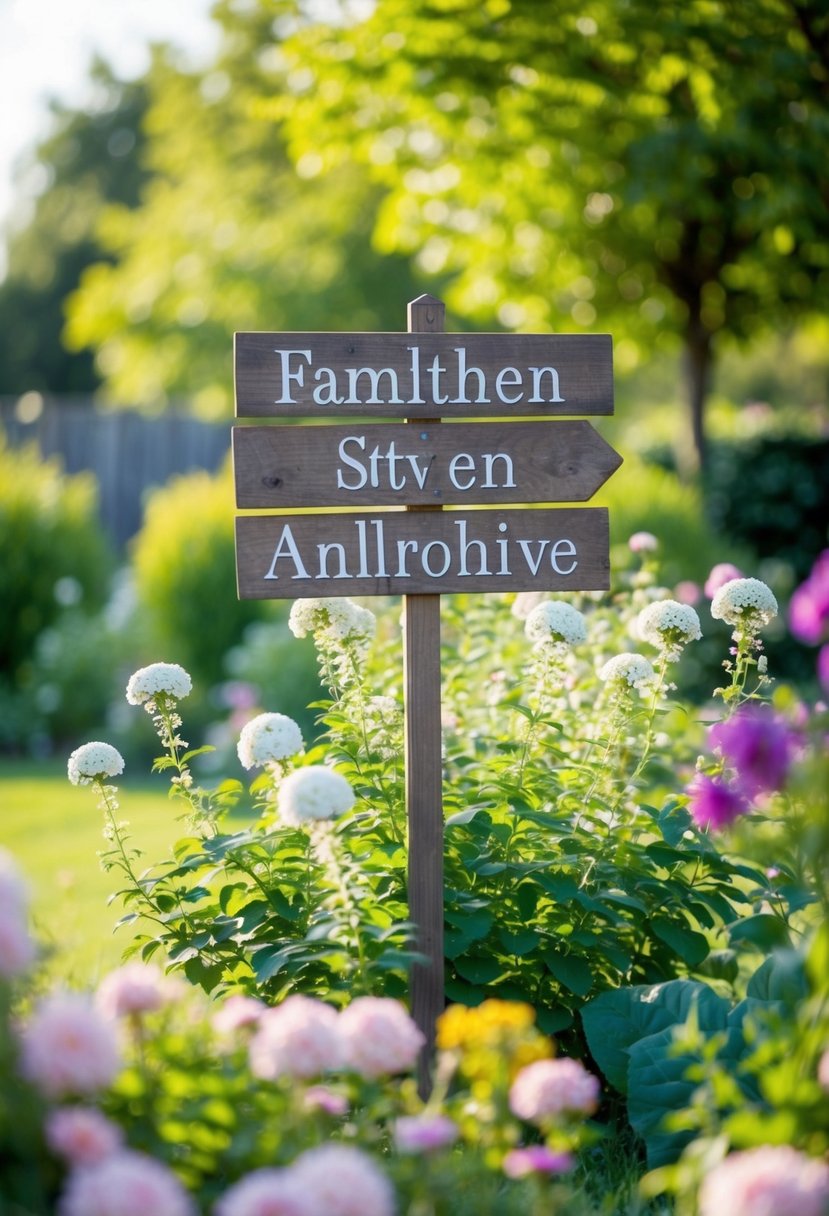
[407,544]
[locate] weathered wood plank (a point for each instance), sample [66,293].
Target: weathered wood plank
[423,375]
[422,552]
[407,464]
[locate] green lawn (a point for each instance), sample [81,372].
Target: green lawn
[54,830]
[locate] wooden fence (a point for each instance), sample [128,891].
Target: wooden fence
[128,452]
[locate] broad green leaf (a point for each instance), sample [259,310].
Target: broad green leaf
[763,930]
[657,1087]
[692,947]
[782,977]
[571,970]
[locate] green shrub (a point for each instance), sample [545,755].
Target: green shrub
[52,548]
[184,567]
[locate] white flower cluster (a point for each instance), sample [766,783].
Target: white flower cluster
[159,678]
[93,762]
[315,792]
[268,737]
[555,621]
[631,669]
[340,619]
[744,601]
[668,625]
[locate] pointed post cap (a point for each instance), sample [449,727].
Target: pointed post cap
[426,314]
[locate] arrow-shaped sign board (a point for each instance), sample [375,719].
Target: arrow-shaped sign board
[399,464]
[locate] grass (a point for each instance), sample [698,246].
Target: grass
[54,830]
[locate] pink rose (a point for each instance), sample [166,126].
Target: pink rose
[17,950]
[548,1088]
[237,1013]
[69,1047]
[266,1192]
[380,1037]
[343,1181]
[134,988]
[82,1135]
[299,1038]
[424,1133]
[772,1180]
[125,1184]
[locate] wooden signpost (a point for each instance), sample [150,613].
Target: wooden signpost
[388,483]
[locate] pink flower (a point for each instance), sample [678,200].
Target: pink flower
[823,667]
[82,1135]
[380,1037]
[758,744]
[536,1159]
[266,1192]
[68,1047]
[714,804]
[643,542]
[719,575]
[343,1181]
[14,894]
[299,1038]
[772,1180]
[237,1013]
[688,592]
[134,988]
[125,1184]
[553,1087]
[17,950]
[424,1133]
[320,1097]
[809,606]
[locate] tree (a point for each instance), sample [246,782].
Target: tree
[91,157]
[660,169]
[229,235]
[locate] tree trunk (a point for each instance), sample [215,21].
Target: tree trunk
[698,369]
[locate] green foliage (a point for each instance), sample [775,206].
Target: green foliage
[53,549]
[184,566]
[90,159]
[229,236]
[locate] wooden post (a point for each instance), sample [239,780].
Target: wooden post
[424,773]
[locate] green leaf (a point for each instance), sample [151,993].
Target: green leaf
[615,1020]
[692,947]
[553,1021]
[782,977]
[763,930]
[656,1087]
[571,970]
[478,969]
[519,943]
[674,821]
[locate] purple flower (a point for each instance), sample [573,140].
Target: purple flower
[809,607]
[759,745]
[823,667]
[713,803]
[719,576]
[536,1159]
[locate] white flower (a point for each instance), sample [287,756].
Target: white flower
[631,669]
[94,761]
[744,601]
[340,619]
[316,792]
[166,678]
[555,621]
[268,737]
[668,625]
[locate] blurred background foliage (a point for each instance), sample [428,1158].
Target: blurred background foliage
[658,172]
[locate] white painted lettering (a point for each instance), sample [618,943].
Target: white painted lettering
[352,463]
[287,548]
[323,551]
[463,373]
[533,564]
[537,398]
[489,463]
[402,548]
[382,572]
[503,545]
[465,546]
[288,376]
[326,391]
[509,377]
[362,548]
[567,549]
[437,372]
[447,558]
[420,475]
[374,398]
[415,398]
[392,457]
[462,462]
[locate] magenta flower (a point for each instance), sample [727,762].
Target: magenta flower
[424,1133]
[719,575]
[536,1159]
[759,745]
[714,804]
[809,607]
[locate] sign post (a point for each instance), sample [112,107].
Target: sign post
[416,461]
